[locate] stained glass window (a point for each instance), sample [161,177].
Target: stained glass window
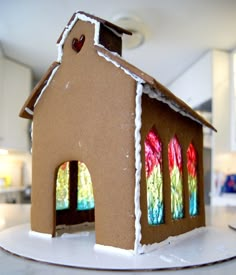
[176,178]
[192,179]
[85,199]
[62,187]
[154,178]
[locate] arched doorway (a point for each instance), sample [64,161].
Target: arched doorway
[74,194]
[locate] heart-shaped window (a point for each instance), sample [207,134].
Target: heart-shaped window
[77,44]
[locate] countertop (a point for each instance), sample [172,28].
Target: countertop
[15,214]
[12,189]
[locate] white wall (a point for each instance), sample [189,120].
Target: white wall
[210,78]
[194,86]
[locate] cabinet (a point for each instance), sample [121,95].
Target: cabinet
[224,104]
[213,77]
[233,101]
[221,110]
[209,79]
[15,87]
[194,86]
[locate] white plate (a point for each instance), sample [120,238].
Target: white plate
[208,246]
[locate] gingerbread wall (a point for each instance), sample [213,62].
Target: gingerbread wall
[87,114]
[169,123]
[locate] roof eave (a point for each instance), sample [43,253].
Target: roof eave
[28,108]
[156,87]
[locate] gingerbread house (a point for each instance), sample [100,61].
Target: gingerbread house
[111,145]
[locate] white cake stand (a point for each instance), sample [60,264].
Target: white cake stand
[202,247]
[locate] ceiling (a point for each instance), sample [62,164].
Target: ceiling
[177,32]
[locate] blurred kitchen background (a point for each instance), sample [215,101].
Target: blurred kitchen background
[187,45]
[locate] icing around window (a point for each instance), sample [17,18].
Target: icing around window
[192,180]
[154,178]
[176,178]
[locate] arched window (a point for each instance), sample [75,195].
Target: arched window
[75,176]
[62,187]
[85,199]
[176,178]
[192,180]
[154,178]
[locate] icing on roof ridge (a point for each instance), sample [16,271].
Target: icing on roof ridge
[98,19]
[158,91]
[107,23]
[162,93]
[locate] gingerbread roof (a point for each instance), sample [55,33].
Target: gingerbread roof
[27,110]
[160,92]
[164,94]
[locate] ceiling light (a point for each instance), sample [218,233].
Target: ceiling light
[133,24]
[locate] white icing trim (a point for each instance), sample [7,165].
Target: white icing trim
[173,105]
[45,86]
[134,76]
[173,240]
[29,111]
[137,140]
[138,167]
[148,90]
[114,31]
[78,16]
[143,249]
[40,235]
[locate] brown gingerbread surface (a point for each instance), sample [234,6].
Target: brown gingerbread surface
[84,109]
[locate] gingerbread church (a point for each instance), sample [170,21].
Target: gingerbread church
[111,145]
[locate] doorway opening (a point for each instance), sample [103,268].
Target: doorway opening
[74,194]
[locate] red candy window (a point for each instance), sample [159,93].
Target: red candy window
[192,179]
[77,44]
[176,178]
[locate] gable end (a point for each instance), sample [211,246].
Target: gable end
[109,33]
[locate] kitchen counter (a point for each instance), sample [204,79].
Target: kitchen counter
[15,214]
[15,194]
[11,189]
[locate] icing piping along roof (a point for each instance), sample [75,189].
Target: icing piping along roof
[27,110]
[160,92]
[97,19]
